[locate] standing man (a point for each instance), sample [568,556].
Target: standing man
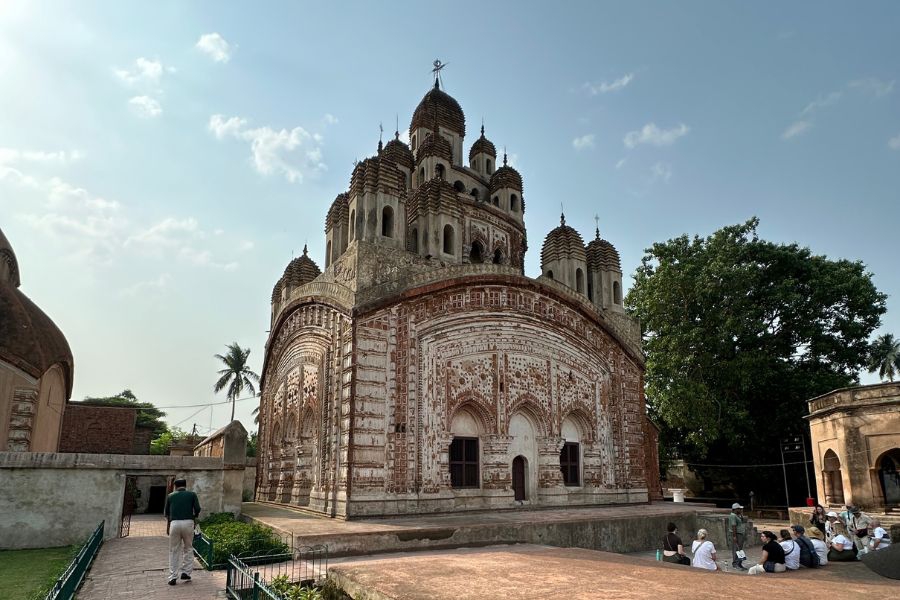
[181,511]
[859,529]
[736,530]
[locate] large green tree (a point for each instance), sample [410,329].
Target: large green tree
[739,332]
[236,375]
[147,414]
[884,356]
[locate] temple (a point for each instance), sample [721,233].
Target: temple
[421,371]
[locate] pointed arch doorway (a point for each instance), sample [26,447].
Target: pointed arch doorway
[520,490]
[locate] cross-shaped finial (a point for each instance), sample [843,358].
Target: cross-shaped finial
[597,221]
[438,65]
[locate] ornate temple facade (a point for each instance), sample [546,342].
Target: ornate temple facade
[421,371]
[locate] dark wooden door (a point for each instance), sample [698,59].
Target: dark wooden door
[518,477]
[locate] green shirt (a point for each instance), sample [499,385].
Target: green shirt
[181,505]
[735,524]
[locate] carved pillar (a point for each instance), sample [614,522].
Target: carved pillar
[21,420]
[549,474]
[495,469]
[592,465]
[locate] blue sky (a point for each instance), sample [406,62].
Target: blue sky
[161,162]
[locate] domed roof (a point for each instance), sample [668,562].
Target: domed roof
[300,271]
[602,255]
[29,339]
[398,152]
[482,145]
[338,212]
[276,291]
[439,107]
[435,145]
[563,242]
[506,177]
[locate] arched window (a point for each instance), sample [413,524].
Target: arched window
[496,201]
[579,281]
[514,203]
[617,292]
[549,274]
[352,223]
[570,455]
[328,253]
[414,144]
[476,254]
[448,239]
[439,171]
[488,164]
[475,194]
[413,244]
[464,452]
[498,256]
[834,482]
[387,222]
[459,187]
[421,175]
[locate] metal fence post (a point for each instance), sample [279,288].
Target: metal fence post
[256,585]
[209,555]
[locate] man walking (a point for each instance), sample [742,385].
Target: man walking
[181,511]
[736,530]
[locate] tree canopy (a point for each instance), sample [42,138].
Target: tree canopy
[147,414]
[236,374]
[739,332]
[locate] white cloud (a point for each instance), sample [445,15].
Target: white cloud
[661,172]
[821,102]
[145,107]
[180,238]
[796,128]
[144,288]
[583,142]
[246,246]
[653,135]
[603,87]
[62,157]
[274,151]
[215,46]
[620,164]
[144,72]
[330,119]
[894,142]
[874,86]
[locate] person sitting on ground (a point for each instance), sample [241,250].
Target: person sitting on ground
[841,547]
[791,550]
[808,556]
[673,548]
[881,539]
[704,552]
[829,525]
[772,558]
[818,541]
[818,518]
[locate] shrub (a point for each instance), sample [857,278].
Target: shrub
[216,519]
[242,540]
[282,586]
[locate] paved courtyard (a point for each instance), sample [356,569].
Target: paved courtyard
[136,568]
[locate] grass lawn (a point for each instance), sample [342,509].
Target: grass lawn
[25,573]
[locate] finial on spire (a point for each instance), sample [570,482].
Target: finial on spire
[504,156]
[397,130]
[562,215]
[597,221]
[380,134]
[482,126]
[438,65]
[305,251]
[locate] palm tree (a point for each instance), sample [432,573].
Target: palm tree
[884,356]
[236,374]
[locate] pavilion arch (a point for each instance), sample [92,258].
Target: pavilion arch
[581,420]
[484,419]
[459,186]
[832,478]
[275,440]
[528,407]
[308,420]
[887,470]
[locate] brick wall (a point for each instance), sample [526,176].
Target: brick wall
[98,429]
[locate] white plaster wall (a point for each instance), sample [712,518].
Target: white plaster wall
[524,443]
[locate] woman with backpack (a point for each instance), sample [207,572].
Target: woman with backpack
[808,556]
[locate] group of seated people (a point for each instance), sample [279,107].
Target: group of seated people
[829,538]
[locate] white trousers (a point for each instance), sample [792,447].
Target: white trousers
[181,548]
[759,570]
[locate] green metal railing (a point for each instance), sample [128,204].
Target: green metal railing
[66,586]
[257,577]
[203,550]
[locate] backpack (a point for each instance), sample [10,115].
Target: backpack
[808,555]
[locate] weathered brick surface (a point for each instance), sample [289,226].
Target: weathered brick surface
[98,429]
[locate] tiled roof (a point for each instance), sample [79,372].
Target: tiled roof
[399,153]
[602,255]
[439,107]
[482,145]
[563,242]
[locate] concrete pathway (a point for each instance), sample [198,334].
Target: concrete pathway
[136,568]
[529,571]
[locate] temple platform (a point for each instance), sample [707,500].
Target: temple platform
[621,528]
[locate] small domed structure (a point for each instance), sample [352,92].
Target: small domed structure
[35,361]
[398,153]
[435,145]
[439,107]
[563,257]
[482,146]
[604,274]
[506,177]
[301,270]
[602,255]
